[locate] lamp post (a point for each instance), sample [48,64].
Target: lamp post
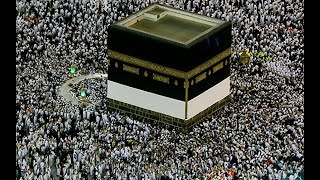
[83,94]
[72,71]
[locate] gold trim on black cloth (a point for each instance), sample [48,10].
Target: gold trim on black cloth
[186,87]
[218,67]
[146,64]
[130,69]
[208,63]
[201,77]
[166,70]
[160,78]
[176,82]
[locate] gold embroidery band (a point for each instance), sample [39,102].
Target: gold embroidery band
[201,77]
[131,69]
[160,78]
[218,67]
[166,70]
[146,64]
[209,63]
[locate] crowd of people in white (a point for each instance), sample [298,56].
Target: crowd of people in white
[95,90]
[260,135]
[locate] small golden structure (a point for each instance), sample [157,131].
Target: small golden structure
[244,57]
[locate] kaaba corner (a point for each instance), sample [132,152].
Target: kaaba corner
[169,65]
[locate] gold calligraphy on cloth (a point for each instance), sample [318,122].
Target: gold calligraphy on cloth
[166,70]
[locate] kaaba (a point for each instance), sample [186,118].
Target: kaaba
[169,65]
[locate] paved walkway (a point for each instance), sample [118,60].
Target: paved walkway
[64,89]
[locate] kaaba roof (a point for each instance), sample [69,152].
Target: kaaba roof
[171,24]
[169,37]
